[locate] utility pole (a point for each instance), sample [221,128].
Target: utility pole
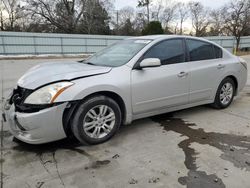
[148,16]
[1,21]
[143,3]
[117,19]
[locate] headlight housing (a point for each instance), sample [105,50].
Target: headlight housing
[47,94]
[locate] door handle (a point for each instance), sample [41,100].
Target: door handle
[182,74]
[220,66]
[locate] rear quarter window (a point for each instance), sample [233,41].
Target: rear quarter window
[218,52]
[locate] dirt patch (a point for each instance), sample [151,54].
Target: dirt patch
[154,180]
[6,134]
[236,149]
[97,164]
[39,184]
[133,181]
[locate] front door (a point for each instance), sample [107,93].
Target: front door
[165,86]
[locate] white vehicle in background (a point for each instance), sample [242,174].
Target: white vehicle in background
[135,78]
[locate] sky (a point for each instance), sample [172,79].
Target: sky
[209,3]
[187,25]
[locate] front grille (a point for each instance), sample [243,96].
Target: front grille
[19,95]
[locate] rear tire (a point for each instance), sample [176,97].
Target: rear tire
[96,120]
[225,94]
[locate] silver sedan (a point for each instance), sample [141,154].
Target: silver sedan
[135,78]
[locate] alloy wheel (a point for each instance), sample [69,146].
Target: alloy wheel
[226,93]
[99,121]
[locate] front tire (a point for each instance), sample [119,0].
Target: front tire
[96,120]
[225,94]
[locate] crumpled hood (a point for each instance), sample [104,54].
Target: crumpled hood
[55,71]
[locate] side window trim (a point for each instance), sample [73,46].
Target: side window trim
[177,38]
[186,51]
[221,51]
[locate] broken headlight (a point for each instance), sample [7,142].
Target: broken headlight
[47,94]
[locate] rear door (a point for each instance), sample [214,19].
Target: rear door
[206,67]
[165,86]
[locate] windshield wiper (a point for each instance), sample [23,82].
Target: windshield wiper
[89,63]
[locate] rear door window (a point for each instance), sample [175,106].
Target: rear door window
[199,50]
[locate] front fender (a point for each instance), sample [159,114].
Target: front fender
[90,85]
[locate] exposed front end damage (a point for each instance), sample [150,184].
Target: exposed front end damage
[34,124]
[38,127]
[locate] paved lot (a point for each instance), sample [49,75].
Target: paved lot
[198,147]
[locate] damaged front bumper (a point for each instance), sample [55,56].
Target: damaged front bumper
[38,127]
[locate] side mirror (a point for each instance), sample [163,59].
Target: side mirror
[150,62]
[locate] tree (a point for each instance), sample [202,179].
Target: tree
[122,16]
[139,23]
[152,28]
[182,14]
[216,23]
[127,29]
[126,22]
[236,17]
[72,16]
[63,14]
[145,3]
[199,15]
[1,16]
[169,14]
[95,19]
[126,13]
[157,10]
[14,13]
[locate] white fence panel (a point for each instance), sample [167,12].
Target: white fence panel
[18,43]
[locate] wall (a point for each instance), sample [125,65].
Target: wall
[20,43]
[227,42]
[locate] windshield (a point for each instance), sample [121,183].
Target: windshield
[117,54]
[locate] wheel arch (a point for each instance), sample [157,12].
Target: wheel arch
[72,107]
[116,97]
[235,81]
[215,103]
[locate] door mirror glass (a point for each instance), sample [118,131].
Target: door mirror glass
[150,62]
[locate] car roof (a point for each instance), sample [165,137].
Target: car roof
[151,37]
[162,37]
[155,37]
